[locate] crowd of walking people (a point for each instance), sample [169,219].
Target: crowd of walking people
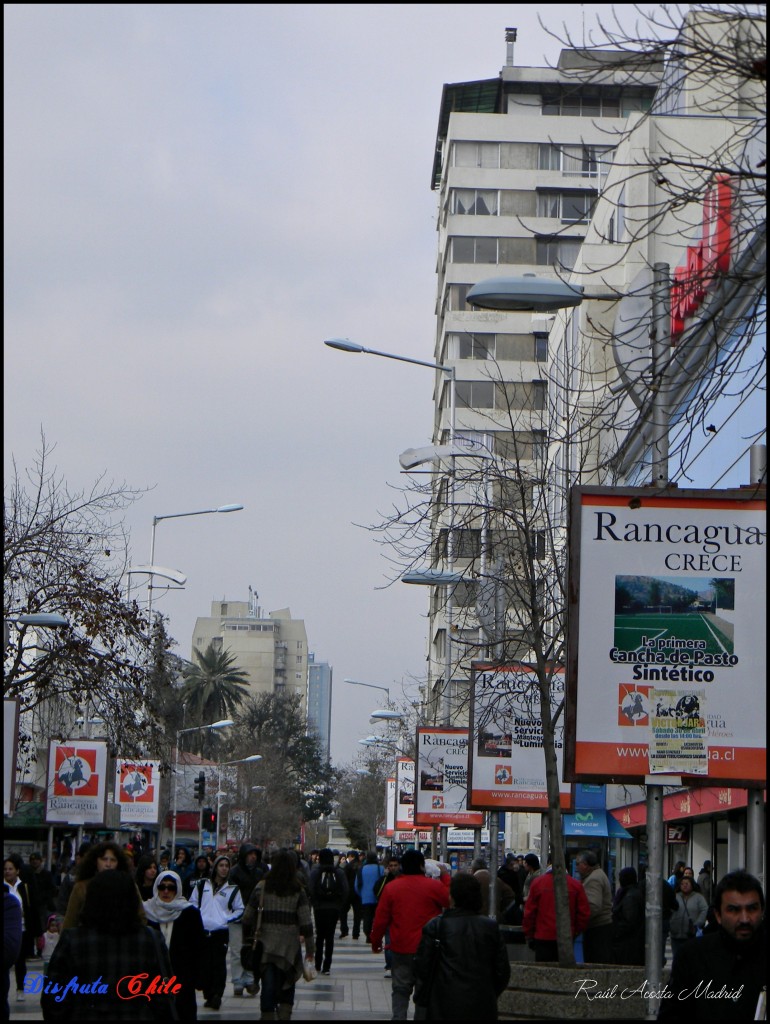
[443,943]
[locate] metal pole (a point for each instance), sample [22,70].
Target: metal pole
[219,805]
[755,805]
[758,463]
[152,562]
[433,837]
[661,346]
[174,795]
[493,830]
[443,843]
[653,935]
[476,843]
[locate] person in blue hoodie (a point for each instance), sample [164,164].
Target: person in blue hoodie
[366,886]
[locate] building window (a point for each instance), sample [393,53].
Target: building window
[466,543]
[541,346]
[475,394]
[474,250]
[577,161]
[519,347]
[487,394]
[478,202]
[521,445]
[591,103]
[456,296]
[476,154]
[568,207]
[557,252]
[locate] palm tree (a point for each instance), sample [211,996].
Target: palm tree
[214,687]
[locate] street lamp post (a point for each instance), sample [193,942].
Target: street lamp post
[223,764]
[178,515]
[180,732]
[530,293]
[344,345]
[372,686]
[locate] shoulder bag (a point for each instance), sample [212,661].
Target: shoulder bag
[251,952]
[422,992]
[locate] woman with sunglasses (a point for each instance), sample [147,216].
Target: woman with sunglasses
[181,926]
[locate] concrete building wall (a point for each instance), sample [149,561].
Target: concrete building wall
[271,647]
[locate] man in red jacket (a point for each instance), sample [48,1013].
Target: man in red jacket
[406,905]
[540,915]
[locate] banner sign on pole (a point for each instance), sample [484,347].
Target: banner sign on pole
[404,793]
[442,778]
[77,782]
[665,637]
[10,750]
[137,790]
[507,761]
[390,807]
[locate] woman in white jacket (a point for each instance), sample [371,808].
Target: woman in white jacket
[219,902]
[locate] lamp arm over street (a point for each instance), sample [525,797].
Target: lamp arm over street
[178,515]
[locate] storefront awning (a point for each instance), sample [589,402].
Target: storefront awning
[594,823]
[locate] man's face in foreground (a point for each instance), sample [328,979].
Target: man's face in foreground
[740,914]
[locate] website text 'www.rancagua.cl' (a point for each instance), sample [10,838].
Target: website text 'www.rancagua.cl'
[727,754]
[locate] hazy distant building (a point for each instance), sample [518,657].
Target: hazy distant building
[270,646]
[319,701]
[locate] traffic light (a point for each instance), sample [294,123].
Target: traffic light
[199,786]
[209,819]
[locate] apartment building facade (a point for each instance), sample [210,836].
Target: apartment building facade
[270,646]
[520,161]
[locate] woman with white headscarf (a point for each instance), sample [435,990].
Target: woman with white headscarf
[181,925]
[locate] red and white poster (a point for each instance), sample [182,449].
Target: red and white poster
[77,782]
[404,793]
[137,786]
[666,639]
[442,778]
[390,807]
[507,759]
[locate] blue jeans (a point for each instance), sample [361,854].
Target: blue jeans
[272,992]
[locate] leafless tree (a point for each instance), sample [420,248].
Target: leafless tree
[66,552]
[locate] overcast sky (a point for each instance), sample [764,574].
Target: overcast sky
[196,196]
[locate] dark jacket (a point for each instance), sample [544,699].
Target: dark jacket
[11,929]
[316,899]
[628,926]
[244,877]
[186,949]
[89,955]
[472,968]
[718,960]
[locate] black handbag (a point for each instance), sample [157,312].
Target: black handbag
[251,952]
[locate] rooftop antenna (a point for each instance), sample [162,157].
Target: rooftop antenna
[510,39]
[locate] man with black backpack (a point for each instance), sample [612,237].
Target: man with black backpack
[328,895]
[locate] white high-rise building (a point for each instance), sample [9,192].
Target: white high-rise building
[520,161]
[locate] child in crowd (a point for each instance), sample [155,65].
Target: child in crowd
[50,938]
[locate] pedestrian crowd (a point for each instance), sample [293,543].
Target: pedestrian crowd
[440,936]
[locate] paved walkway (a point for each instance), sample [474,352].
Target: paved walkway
[356,989]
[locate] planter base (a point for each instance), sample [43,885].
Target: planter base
[583,992]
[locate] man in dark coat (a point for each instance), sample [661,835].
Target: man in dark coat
[45,890]
[328,894]
[246,873]
[721,975]
[471,969]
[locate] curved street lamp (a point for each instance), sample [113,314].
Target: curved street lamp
[177,515]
